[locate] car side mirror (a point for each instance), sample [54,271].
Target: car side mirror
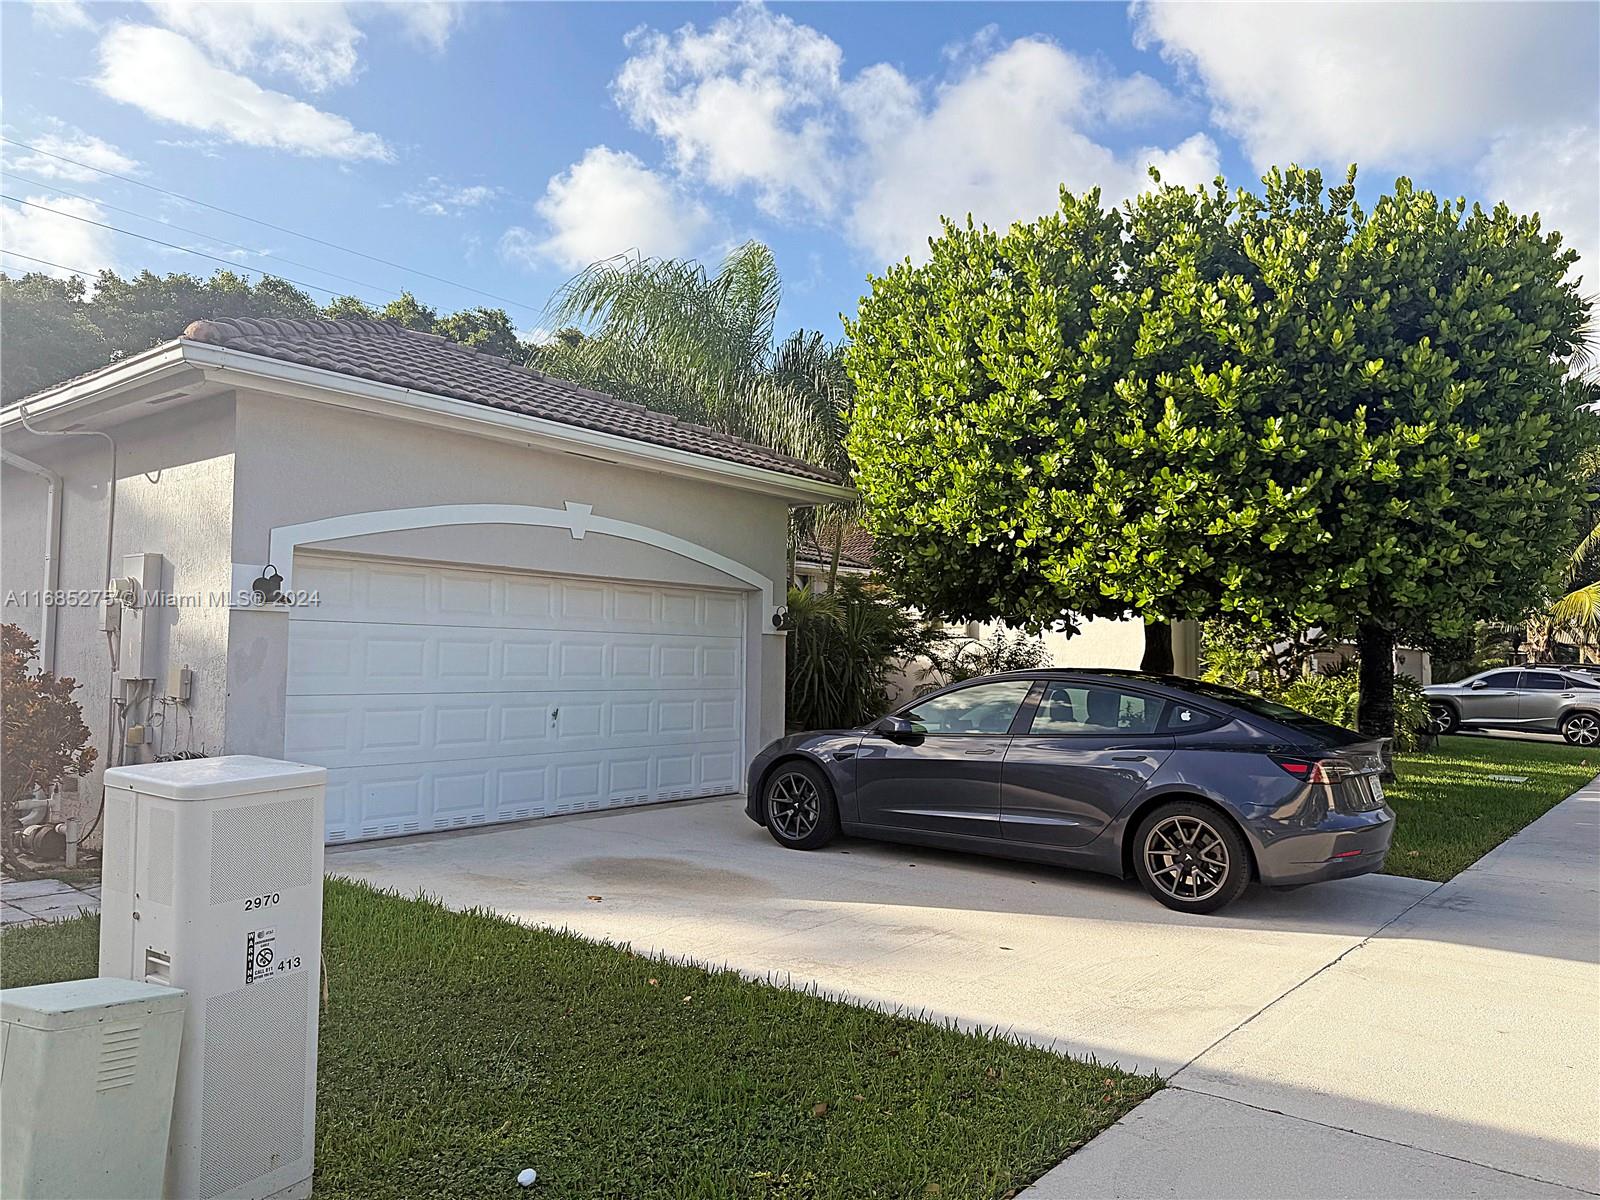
[896,729]
[1478,684]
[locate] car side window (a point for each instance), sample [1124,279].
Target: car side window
[981,708]
[1077,708]
[1543,681]
[1502,679]
[1578,681]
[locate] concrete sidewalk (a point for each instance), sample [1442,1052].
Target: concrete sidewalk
[1455,1052]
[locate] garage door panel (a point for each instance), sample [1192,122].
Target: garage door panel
[392,729]
[398,799]
[348,658]
[354,590]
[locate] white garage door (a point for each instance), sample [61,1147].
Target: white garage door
[439,697]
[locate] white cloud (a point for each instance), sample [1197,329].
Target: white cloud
[166,75]
[747,102]
[40,233]
[758,102]
[1557,175]
[437,198]
[314,43]
[608,203]
[63,15]
[317,44]
[951,156]
[428,21]
[69,143]
[1393,84]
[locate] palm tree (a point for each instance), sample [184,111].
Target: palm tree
[668,334]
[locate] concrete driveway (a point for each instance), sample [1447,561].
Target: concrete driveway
[1084,964]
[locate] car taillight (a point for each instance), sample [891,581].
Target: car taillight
[1316,770]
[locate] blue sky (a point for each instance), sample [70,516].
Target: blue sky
[503,146]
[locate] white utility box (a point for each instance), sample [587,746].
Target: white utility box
[86,1078]
[212,882]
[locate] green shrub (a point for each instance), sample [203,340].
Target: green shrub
[843,645]
[1279,669]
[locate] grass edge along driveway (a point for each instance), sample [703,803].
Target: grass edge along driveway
[1451,812]
[458,1048]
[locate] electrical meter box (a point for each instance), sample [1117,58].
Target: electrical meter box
[212,882]
[86,1073]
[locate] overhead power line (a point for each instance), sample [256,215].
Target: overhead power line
[45,262]
[200,233]
[227,262]
[538,308]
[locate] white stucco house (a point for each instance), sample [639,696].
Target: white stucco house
[504,596]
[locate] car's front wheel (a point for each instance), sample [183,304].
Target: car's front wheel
[1581,729]
[799,807]
[1191,858]
[1443,718]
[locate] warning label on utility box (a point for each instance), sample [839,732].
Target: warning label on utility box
[259,954]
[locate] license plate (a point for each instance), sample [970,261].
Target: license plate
[1377,788]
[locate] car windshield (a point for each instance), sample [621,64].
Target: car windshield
[1258,706]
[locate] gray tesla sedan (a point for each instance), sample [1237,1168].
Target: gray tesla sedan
[1195,789]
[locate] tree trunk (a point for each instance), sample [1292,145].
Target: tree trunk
[1157,647]
[838,552]
[1375,708]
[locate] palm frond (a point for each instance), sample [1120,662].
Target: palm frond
[1578,609]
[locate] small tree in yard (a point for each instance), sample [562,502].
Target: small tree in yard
[45,739]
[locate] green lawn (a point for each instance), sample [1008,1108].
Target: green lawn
[1451,814]
[458,1049]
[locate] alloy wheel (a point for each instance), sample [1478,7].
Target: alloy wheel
[794,805]
[1583,729]
[1440,718]
[1186,858]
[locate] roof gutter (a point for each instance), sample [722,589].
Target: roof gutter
[114,385]
[241,369]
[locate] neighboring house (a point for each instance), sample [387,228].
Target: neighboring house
[521,597]
[1333,655]
[813,557]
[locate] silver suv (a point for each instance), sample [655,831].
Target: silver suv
[1538,699]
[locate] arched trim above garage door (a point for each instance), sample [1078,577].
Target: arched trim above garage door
[577,519]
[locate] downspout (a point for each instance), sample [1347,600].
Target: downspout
[52,554]
[111,524]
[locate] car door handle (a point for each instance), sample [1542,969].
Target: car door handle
[981,752]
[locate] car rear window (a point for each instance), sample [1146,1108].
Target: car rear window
[1258,706]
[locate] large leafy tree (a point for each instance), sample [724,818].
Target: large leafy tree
[1052,422]
[55,329]
[1427,371]
[1266,408]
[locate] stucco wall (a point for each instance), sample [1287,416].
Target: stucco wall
[301,462]
[174,498]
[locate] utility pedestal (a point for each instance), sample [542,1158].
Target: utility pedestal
[212,882]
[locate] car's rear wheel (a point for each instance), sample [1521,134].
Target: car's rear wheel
[1191,858]
[1443,718]
[799,807]
[1581,729]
